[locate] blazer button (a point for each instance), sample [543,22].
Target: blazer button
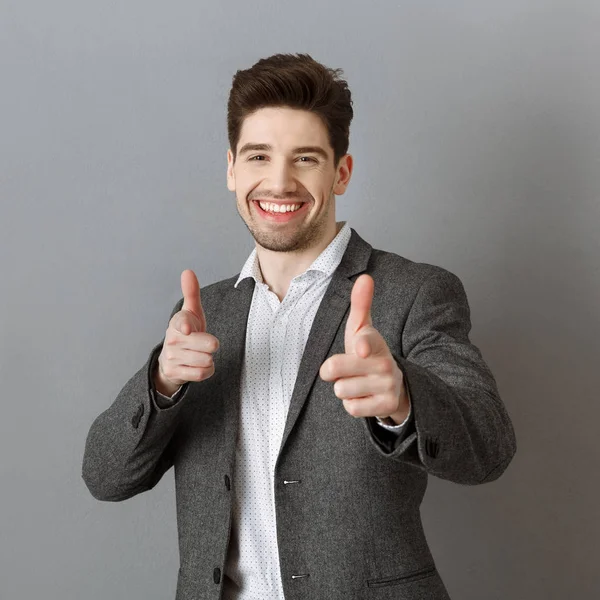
[432,448]
[217,575]
[227,482]
[135,420]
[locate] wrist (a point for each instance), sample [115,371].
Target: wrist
[404,406]
[164,386]
[397,418]
[400,416]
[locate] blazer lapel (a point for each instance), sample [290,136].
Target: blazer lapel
[233,320]
[327,321]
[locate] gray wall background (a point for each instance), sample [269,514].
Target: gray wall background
[476,143]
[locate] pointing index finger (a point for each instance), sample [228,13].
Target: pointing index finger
[349,365]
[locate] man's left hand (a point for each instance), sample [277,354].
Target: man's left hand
[367,378]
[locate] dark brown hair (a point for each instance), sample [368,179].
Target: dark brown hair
[295,81]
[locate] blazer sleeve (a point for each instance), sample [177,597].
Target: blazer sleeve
[461,430]
[130,445]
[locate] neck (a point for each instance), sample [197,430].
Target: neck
[279,268]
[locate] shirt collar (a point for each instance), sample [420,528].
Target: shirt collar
[326,263]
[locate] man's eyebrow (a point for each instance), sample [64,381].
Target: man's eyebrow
[312,150]
[300,150]
[253,147]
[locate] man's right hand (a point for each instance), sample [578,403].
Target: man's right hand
[187,350]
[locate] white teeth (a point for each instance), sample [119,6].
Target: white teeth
[275,208]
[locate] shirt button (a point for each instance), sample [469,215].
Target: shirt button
[217,575]
[227,482]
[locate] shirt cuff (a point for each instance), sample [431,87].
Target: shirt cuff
[166,401]
[170,397]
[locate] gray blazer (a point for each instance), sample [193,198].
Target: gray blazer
[351,524]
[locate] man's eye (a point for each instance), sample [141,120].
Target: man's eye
[262,156]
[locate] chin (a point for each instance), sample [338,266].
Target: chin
[279,244]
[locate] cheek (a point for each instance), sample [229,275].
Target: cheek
[242,188]
[316,185]
[247,181]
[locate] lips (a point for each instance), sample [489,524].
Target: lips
[277,216]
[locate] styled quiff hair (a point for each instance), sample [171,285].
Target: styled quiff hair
[295,81]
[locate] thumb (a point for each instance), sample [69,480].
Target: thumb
[360,304]
[360,315]
[191,297]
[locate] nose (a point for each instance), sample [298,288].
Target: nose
[281,179]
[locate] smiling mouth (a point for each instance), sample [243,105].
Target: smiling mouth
[266,210]
[276,207]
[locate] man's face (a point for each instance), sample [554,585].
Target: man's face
[284,158]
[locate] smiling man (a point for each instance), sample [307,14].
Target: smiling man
[278,175]
[304,401]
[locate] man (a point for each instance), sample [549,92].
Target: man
[304,401]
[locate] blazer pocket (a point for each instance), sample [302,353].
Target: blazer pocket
[423,573]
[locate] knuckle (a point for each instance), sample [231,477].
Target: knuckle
[385,406]
[351,408]
[324,371]
[203,373]
[386,366]
[333,366]
[338,361]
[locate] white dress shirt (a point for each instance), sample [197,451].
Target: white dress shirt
[275,339]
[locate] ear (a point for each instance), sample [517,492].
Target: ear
[343,174]
[230,173]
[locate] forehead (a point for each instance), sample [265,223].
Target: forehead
[284,128]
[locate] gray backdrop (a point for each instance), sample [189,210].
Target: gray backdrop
[476,143]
